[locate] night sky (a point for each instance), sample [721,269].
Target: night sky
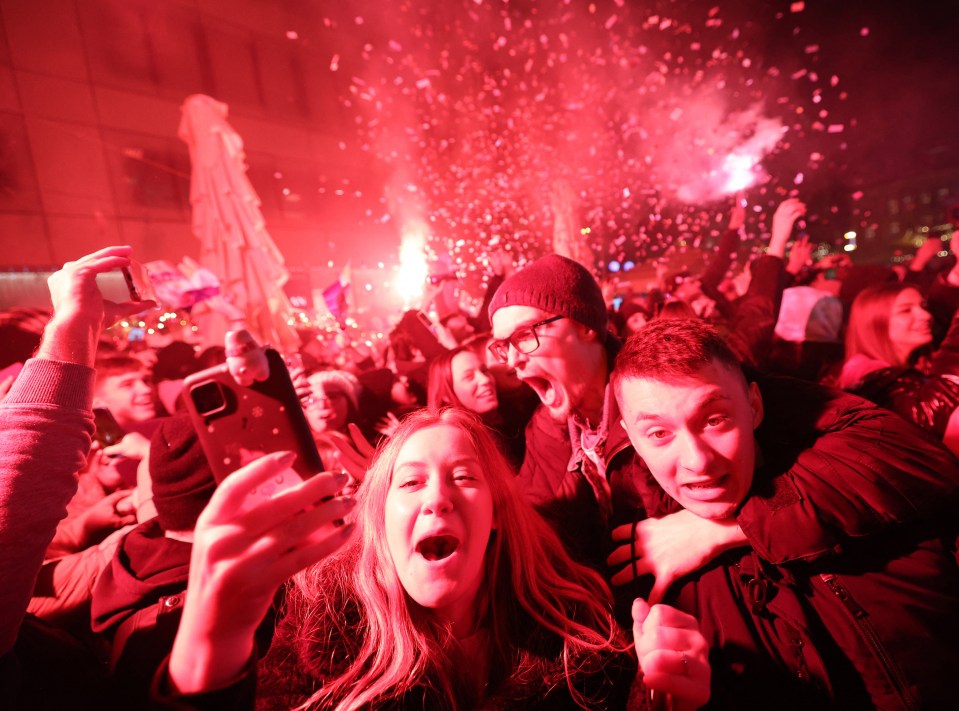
[522,125]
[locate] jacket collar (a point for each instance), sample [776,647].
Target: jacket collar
[612,437]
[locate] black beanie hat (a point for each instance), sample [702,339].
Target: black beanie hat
[180,474]
[557,285]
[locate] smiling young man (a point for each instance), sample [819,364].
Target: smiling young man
[846,596]
[124,389]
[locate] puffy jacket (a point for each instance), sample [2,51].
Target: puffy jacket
[926,401]
[848,596]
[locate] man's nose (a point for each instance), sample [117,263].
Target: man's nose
[695,454]
[515,356]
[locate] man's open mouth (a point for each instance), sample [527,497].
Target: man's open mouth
[543,388]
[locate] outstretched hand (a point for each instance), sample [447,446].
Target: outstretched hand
[670,547]
[79,310]
[355,452]
[800,255]
[247,542]
[789,210]
[388,425]
[927,250]
[737,216]
[74,291]
[672,653]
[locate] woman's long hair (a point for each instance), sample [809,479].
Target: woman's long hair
[533,590]
[868,330]
[439,390]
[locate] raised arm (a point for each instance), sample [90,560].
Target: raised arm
[46,426]
[859,470]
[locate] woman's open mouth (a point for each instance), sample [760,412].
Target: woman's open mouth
[435,548]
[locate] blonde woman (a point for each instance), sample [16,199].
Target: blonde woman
[451,593]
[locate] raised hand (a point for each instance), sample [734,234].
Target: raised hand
[387,425]
[79,310]
[133,445]
[251,537]
[737,216]
[355,452]
[673,655]
[789,210]
[927,250]
[800,255]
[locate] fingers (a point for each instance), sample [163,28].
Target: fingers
[352,460]
[364,447]
[668,617]
[305,528]
[659,590]
[109,257]
[623,553]
[316,550]
[635,569]
[672,653]
[113,312]
[116,496]
[232,491]
[312,494]
[623,533]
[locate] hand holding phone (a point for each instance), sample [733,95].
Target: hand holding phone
[237,424]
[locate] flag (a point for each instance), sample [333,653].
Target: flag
[335,295]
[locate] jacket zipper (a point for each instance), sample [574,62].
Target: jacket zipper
[861,617]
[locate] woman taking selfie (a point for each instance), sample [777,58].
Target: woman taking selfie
[444,591]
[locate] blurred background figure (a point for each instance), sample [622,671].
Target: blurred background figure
[461,378]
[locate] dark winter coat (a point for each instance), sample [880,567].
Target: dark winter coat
[848,598]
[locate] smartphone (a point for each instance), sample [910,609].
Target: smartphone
[238,424]
[129,283]
[108,431]
[419,328]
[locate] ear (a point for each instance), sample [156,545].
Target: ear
[755,403]
[586,334]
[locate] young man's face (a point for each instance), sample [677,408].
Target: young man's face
[128,397]
[562,370]
[695,434]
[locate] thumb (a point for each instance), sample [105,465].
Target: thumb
[640,613]
[115,496]
[658,591]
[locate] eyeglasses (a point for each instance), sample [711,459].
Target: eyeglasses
[524,340]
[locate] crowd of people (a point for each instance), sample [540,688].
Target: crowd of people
[734,490]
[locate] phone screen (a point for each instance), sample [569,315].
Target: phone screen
[107,431]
